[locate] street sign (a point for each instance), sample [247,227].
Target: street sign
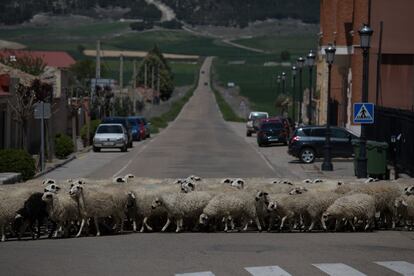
[42,113]
[363,113]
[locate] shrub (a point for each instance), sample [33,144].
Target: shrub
[14,160]
[63,146]
[93,127]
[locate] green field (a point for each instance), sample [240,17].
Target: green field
[257,82]
[296,44]
[184,72]
[116,36]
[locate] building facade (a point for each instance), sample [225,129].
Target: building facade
[391,59]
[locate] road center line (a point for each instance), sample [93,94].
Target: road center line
[133,157]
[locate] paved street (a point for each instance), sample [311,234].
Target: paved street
[200,142]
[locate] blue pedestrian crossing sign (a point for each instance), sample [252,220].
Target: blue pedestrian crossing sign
[363,113]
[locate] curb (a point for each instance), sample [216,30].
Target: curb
[64,162]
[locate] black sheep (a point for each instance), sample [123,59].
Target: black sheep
[33,213]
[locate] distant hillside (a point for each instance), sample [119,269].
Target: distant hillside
[200,12]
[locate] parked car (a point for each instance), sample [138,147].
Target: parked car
[253,121]
[307,143]
[285,122]
[110,136]
[123,121]
[271,132]
[140,128]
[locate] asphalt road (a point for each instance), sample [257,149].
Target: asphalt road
[199,142]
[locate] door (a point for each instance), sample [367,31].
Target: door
[341,143]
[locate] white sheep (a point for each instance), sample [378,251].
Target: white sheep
[384,194]
[100,202]
[288,207]
[404,208]
[238,204]
[409,190]
[351,207]
[61,209]
[144,197]
[237,183]
[318,203]
[182,205]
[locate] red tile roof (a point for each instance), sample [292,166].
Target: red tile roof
[51,58]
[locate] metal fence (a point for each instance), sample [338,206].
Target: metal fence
[396,127]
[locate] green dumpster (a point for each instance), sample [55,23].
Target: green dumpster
[376,155]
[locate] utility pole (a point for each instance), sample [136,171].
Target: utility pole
[134,74]
[152,82]
[145,76]
[158,82]
[121,72]
[98,60]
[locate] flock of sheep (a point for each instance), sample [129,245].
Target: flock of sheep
[80,206]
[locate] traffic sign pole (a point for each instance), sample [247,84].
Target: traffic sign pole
[42,136]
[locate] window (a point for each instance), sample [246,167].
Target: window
[339,133]
[319,132]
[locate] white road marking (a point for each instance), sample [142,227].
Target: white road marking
[267,271]
[404,268]
[263,157]
[206,273]
[132,159]
[338,269]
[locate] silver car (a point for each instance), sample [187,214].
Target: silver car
[110,136]
[253,121]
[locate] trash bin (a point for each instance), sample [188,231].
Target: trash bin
[376,155]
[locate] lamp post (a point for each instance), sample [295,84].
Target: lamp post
[278,80]
[365,34]
[294,71]
[300,63]
[283,82]
[327,161]
[310,58]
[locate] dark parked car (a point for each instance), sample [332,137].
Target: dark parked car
[307,143]
[140,127]
[123,121]
[271,132]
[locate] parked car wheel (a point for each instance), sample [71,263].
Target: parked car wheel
[124,148]
[261,145]
[95,149]
[307,155]
[248,133]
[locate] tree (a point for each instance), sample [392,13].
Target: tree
[83,71]
[155,62]
[282,103]
[23,104]
[29,64]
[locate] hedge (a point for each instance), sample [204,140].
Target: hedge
[19,161]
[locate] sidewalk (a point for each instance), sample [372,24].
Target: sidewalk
[56,163]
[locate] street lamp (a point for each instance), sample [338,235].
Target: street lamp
[278,80]
[310,58]
[327,161]
[365,34]
[300,63]
[283,82]
[294,71]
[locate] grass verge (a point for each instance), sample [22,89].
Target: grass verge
[225,109]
